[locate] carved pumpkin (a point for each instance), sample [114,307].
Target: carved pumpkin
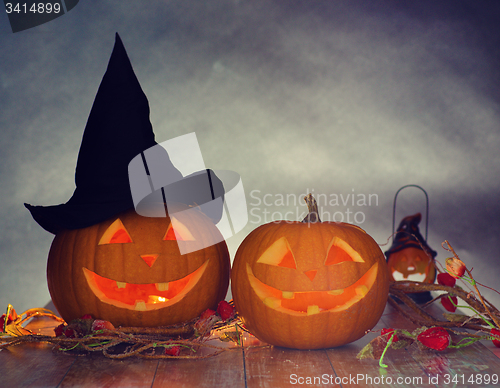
[412,264]
[128,270]
[309,285]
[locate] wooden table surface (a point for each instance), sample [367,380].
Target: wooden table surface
[255,365]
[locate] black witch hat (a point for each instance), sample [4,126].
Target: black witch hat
[117,130]
[408,236]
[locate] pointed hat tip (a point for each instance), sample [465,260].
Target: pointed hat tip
[118,42]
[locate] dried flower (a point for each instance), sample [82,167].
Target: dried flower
[450,305]
[455,267]
[389,333]
[10,319]
[445,279]
[225,310]
[496,332]
[435,338]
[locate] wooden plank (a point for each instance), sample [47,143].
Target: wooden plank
[401,368]
[223,370]
[445,368]
[37,364]
[33,365]
[465,363]
[274,367]
[492,348]
[95,370]
[402,371]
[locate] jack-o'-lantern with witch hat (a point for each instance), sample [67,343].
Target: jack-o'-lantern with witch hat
[112,263]
[410,257]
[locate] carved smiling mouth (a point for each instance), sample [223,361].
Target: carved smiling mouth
[313,302]
[142,297]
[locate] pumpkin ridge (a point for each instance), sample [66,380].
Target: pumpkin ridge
[70,263]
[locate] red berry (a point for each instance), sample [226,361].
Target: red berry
[496,332]
[206,314]
[86,316]
[69,332]
[445,279]
[435,338]
[225,310]
[173,351]
[59,330]
[99,324]
[447,303]
[389,333]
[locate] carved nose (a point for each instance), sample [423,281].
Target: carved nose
[150,259]
[311,274]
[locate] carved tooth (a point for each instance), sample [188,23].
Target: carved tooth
[362,290]
[312,310]
[140,305]
[162,286]
[272,302]
[336,292]
[121,284]
[287,294]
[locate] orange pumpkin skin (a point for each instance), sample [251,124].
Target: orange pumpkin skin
[411,264]
[86,276]
[303,317]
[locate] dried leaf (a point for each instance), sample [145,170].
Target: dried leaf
[37,311]
[366,352]
[16,330]
[401,344]
[229,336]
[15,327]
[456,317]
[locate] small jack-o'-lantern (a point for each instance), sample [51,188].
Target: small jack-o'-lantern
[310,284]
[410,258]
[128,270]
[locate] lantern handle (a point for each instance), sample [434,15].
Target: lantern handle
[426,210]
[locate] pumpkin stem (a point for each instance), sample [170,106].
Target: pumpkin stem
[312,206]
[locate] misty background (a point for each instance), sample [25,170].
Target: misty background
[332,97]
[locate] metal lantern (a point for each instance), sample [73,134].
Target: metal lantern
[410,258]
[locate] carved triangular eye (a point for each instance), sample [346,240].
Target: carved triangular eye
[170,235]
[115,234]
[279,254]
[177,231]
[340,251]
